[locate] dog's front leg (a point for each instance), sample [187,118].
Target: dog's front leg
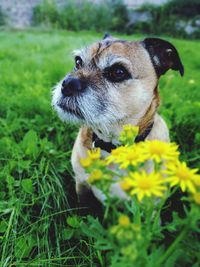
[82,144]
[87,201]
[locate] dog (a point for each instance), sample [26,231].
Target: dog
[114,82]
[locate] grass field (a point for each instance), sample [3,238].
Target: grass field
[37,196]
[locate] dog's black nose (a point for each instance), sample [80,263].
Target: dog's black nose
[72,86]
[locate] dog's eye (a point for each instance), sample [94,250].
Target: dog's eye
[116,73]
[78,62]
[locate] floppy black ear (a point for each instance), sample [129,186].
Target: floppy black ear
[164,55]
[107,35]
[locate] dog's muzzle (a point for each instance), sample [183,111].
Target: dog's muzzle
[72,86]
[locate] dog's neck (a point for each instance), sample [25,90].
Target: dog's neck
[149,115]
[112,133]
[142,120]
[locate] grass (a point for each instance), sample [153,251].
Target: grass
[37,198]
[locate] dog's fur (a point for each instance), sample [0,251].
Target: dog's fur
[104,106]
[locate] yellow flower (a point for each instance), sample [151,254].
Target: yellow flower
[126,156]
[124,220]
[196,179]
[115,154]
[133,156]
[145,184]
[128,133]
[196,197]
[94,154]
[86,162]
[95,176]
[181,175]
[126,184]
[158,150]
[130,130]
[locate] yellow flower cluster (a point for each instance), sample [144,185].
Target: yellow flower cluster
[125,229]
[124,233]
[179,174]
[150,168]
[143,184]
[128,134]
[159,151]
[96,175]
[124,220]
[139,153]
[128,155]
[92,155]
[95,167]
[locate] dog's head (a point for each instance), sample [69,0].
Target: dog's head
[114,79]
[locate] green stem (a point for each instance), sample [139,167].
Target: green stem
[160,207]
[149,213]
[173,246]
[138,216]
[106,211]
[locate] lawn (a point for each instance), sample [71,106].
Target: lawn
[37,198]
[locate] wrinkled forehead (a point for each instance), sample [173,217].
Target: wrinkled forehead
[109,52]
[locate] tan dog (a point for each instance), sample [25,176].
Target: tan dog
[115,82]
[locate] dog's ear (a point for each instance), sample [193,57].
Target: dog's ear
[107,35]
[164,55]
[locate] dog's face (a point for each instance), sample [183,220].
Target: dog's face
[112,80]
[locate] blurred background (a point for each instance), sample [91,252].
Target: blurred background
[180,18]
[38,204]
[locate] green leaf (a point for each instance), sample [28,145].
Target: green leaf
[10,180]
[27,185]
[30,144]
[24,165]
[67,234]
[3,226]
[23,247]
[171,260]
[93,228]
[73,221]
